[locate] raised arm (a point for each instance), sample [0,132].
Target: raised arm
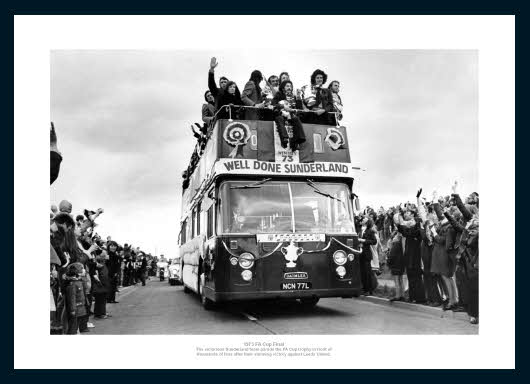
[422,212]
[96,215]
[455,224]
[211,80]
[436,237]
[436,206]
[195,133]
[459,204]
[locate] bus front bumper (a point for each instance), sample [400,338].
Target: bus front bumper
[270,295]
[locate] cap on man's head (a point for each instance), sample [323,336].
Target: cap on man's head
[65,206]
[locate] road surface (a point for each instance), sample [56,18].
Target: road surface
[159,309]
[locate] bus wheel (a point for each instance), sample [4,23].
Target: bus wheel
[309,302]
[186,289]
[206,302]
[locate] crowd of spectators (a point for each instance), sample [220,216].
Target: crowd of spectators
[434,243]
[86,271]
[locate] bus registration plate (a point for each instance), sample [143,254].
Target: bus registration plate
[296,286]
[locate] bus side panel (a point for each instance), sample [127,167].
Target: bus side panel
[228,277]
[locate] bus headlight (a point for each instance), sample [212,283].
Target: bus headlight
[233,261]
[341,271]
[340,257]
[246,260]
[246,275]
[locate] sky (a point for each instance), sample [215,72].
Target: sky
[122,120]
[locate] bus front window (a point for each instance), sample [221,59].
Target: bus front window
[261,209]
[273,206]
[322,208]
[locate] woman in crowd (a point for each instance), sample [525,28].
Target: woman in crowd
[100,288]
[228,98]
[367,238]
[114,270]
[388,224]
[409,227]
[442,264]
[252,96]
[380,224]
[396,263]
[431,281]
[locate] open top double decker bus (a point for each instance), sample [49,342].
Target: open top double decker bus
[263,222]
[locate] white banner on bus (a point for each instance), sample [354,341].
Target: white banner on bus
[296,237]
[256,167]
[281,154]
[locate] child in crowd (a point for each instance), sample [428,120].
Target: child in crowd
[75,298]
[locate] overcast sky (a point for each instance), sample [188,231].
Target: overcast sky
[122,119]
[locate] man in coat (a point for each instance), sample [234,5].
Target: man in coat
[208,109]
[252,96]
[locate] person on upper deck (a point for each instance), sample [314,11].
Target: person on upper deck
[319,99]
[334,87]
[274,82]
[230,97]
[208,108]
[284,103]
[284,76]
[223,81]
[252,96]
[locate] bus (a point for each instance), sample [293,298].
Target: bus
[260,221]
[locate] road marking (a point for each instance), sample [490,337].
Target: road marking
[257,322]
[251,318]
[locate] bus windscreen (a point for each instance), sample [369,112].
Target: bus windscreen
[285,207]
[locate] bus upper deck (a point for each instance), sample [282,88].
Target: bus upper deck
[252,148]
